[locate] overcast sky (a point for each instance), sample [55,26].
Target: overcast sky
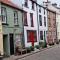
[40,1]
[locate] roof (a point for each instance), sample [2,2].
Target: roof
[37,3]
[9,3]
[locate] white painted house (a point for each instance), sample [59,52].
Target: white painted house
[30,23]
[42,22]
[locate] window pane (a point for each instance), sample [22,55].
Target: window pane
[40,9]
[44,21]
[25,19]
[4,14]
[26,3]
[31,17]
[33,5]
[41,35]
[15,17]
[40,19]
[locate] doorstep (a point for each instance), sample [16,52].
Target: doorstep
[13,57]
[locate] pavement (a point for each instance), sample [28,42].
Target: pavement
[48,53]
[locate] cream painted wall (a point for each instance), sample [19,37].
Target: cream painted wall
[58,25]
[1,38]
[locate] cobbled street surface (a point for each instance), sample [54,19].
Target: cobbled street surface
[49,54]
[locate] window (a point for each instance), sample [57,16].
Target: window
[31,36]
[44,10]
[40,19]
[40,9]
[4,14]
[33,5]
[26,3]
[31,17]
[15,17]
[25,19]
[41,35]
[44,21]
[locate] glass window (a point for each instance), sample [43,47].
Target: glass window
[40,9]
[41,35]
[40,19]
[44,21]
[25,19]
[4,14]
[15,17]
[31,17]
[26,3]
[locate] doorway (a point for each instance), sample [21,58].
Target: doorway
[11,44]
[5,45]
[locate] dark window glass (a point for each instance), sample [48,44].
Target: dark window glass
[26,3]
[40,19]
[15,17]
[31,17]
[25,19]
[41,35]
[4,14]
[44,11]
[44,21]
[33,5]
[40,9]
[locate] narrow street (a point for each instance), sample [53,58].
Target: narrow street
[49,54]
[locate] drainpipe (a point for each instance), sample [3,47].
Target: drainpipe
[37,21]
[23,42]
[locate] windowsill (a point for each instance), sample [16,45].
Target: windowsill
[25,25]
[26,6]
[5,24]
[33,9]
[16,25]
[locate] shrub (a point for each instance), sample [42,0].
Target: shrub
[51,44]
[37,46]
[57,42]
[43,44]
[32,48]
[28,49]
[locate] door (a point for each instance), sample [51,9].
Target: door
[5,44]
[11,44]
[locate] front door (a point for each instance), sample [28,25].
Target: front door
[11,44]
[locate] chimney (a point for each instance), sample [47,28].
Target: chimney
[54,4]
[46,3]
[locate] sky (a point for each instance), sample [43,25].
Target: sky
[40,1]
[54,1]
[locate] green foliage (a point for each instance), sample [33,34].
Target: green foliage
[43,44]
[37,46]
[28,49]
[32,48]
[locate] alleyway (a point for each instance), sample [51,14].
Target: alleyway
[49,54]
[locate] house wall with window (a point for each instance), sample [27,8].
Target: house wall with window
[12,28]
[51,38]
[30,23]
[53,17]
[42,23]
